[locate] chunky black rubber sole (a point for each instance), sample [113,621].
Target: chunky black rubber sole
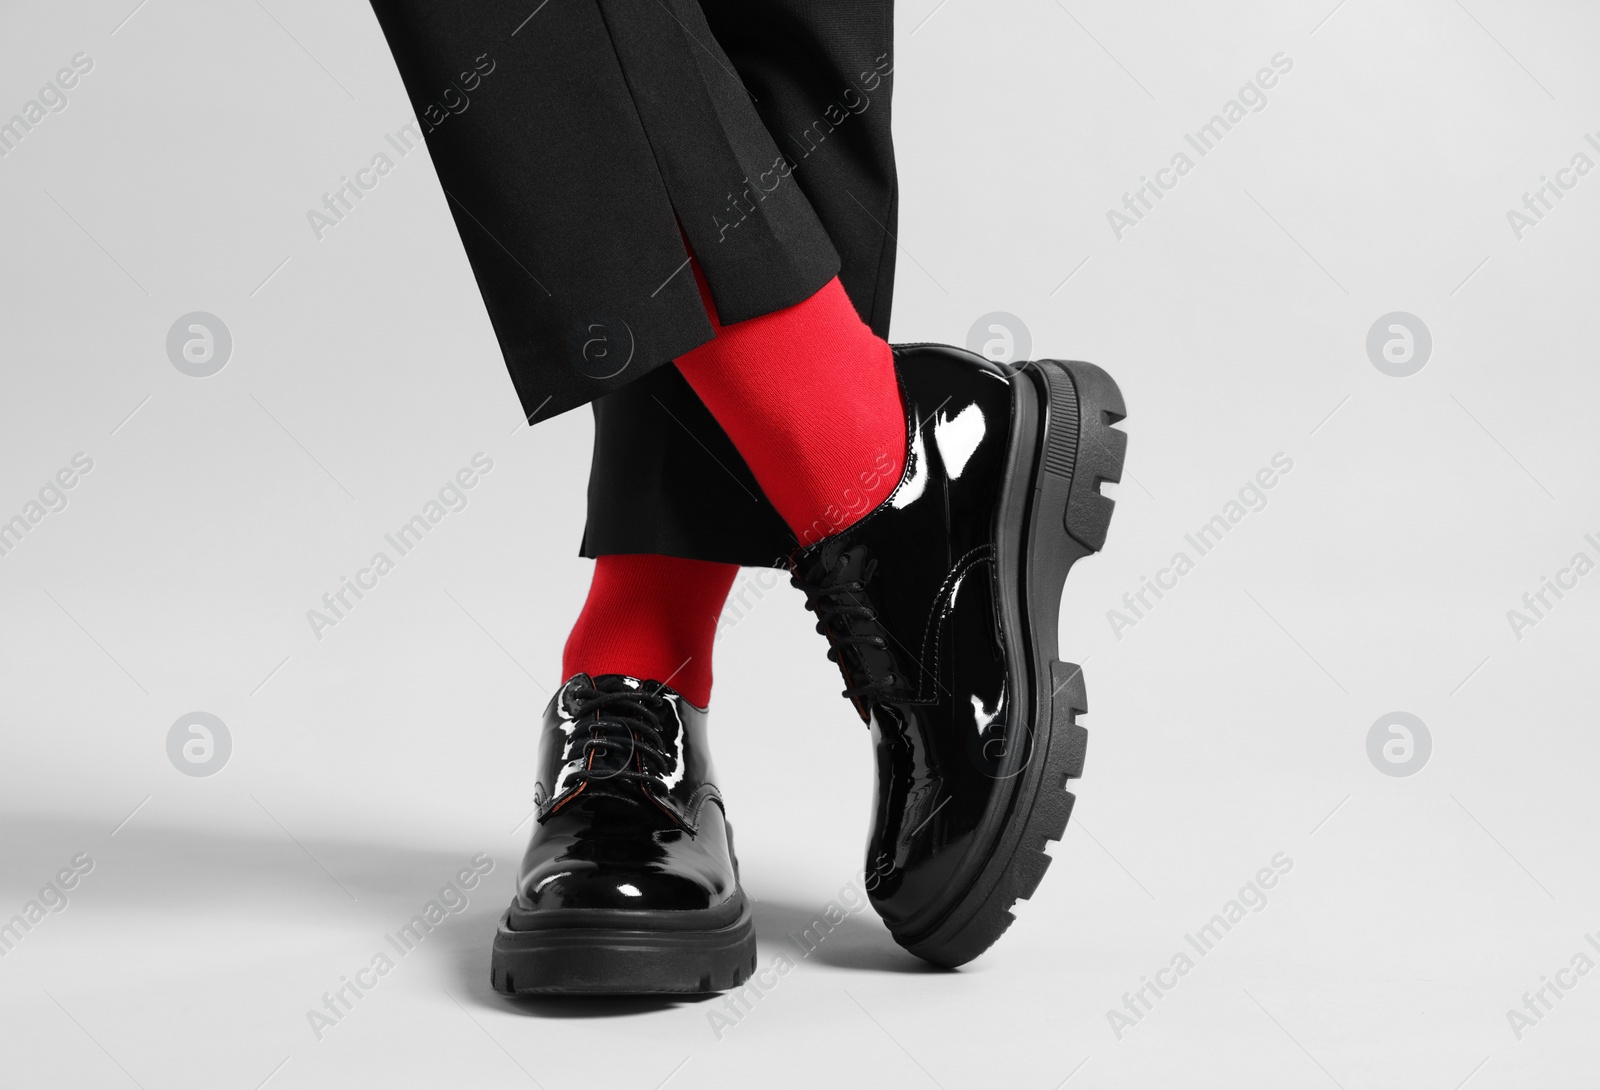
[616,961]
[1052,515]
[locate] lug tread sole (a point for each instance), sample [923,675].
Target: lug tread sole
[600,961]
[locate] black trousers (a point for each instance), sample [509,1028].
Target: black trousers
[576,139]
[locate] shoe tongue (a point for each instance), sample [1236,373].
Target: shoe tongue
[625,683]
[851,565]
[828,561]
[807,560]
[602,683]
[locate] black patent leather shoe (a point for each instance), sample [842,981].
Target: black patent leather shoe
[941,608]
[629,885]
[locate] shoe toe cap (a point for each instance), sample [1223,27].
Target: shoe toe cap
[587,885]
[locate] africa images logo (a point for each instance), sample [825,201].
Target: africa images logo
[1250,99]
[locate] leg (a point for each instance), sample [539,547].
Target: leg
[651,617]
[665,477]
[808,395]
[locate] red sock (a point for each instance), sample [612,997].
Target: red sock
[809,397]
[653,618]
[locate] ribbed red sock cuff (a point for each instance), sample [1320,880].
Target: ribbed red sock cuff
[651,617]
[809,397]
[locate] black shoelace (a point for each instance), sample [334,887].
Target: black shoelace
[626,724]
[848,622]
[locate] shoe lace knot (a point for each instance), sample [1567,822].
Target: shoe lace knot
[846,617]
[626,738]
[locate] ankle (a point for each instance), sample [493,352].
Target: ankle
[810,398]
[653,618]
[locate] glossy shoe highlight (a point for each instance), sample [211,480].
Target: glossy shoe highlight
[941,608]
[629,885]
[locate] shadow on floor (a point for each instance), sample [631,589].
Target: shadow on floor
[804,932]
[367,883]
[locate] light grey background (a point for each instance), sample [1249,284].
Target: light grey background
[1228,724]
